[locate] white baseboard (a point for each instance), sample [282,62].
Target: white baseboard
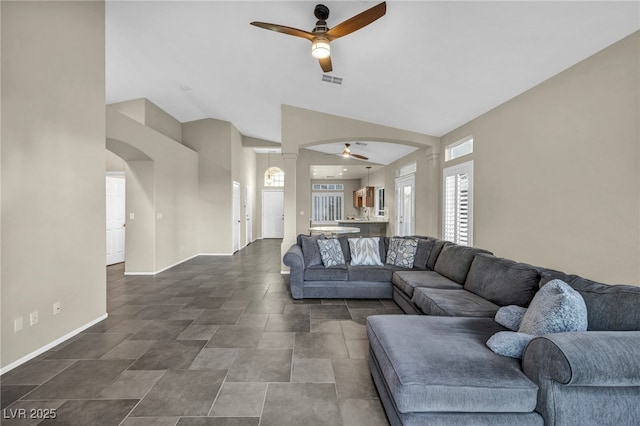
[51,345]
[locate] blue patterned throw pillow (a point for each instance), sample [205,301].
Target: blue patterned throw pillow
[402,252]
[365,251]
[331,252]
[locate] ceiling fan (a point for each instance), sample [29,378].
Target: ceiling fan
[321,36]
[347,153]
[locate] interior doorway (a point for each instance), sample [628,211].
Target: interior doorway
[248,207]
[115,213]
[273,213]
[236,216]
[405,205]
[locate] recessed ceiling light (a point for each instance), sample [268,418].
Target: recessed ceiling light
[344,170]
[340,173]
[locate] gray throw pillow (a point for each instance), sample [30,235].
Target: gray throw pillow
[509,343]
[331,252]
[365,251]
[402,252]
[510,316]
[555,308]
[310,250]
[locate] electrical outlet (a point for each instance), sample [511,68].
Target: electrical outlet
[17,324]
[56,308]
[33,318]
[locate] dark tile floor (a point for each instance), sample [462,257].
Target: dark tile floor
[213,341]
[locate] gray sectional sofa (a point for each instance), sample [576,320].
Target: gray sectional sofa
[435,368]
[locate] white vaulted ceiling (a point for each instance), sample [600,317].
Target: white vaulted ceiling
[426,67]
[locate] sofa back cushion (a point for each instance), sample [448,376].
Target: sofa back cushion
[454,261]
[609,307]
[435,252]
[502,281]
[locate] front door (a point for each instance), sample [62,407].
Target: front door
[405,205]
[115,203]
[273,214]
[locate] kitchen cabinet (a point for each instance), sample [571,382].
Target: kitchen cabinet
[364,197]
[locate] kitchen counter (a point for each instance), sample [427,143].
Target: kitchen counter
[368,228]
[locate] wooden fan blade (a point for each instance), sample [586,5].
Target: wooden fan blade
[285,30]
[325,64]
[357,22]
[361,157]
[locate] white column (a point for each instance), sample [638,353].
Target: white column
[290,206]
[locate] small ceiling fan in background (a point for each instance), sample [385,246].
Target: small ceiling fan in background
[347,153]
[321,36]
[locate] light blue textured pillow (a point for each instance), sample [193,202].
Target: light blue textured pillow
[402,252]
[510,316]
[555,308]
[509,343]
[365,251]
[331,252]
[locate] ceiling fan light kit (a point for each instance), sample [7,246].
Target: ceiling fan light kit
[321,36]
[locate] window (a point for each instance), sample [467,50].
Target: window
[379,201]
[457,216]
[274,176]
[459,149]
[327,187]
[327,207]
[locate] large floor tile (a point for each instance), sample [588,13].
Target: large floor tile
[169,355]
[129,349]
[219,317]
[236,336]
[295,404]
[261,365]
[29,413]
[161,329]
[214,359]
[37,372]
[240,400]
[105,412]
[11,393]
[320,345]
[353,379]
[131,384]
[89,346]
[181,393]
[84,379]
[312,371]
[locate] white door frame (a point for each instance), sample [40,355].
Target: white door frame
[248,208]
[235,216]
[265,191]
[115,219]
[405,221]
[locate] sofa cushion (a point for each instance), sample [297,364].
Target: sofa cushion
[454,261]
[609,307]
[441,364]
[502,281]
[331,252]
[435,252]
[407,281]
[371,273]
[320,273]
[365,251]
[402,251]
[442,302]
[310,249]
[556,308]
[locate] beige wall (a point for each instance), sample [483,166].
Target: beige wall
[163,195]
[53,171]
[557,170]
[147,113]
[244,172]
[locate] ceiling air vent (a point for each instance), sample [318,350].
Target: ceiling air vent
[332,79]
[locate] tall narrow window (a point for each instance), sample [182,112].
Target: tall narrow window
[457,215]
[327,207]
[379,201]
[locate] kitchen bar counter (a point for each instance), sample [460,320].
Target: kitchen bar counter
[368,228]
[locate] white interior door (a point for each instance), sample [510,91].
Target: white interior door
[272,214]
[236,216]
[405,205]
[249,212]
[115,203]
